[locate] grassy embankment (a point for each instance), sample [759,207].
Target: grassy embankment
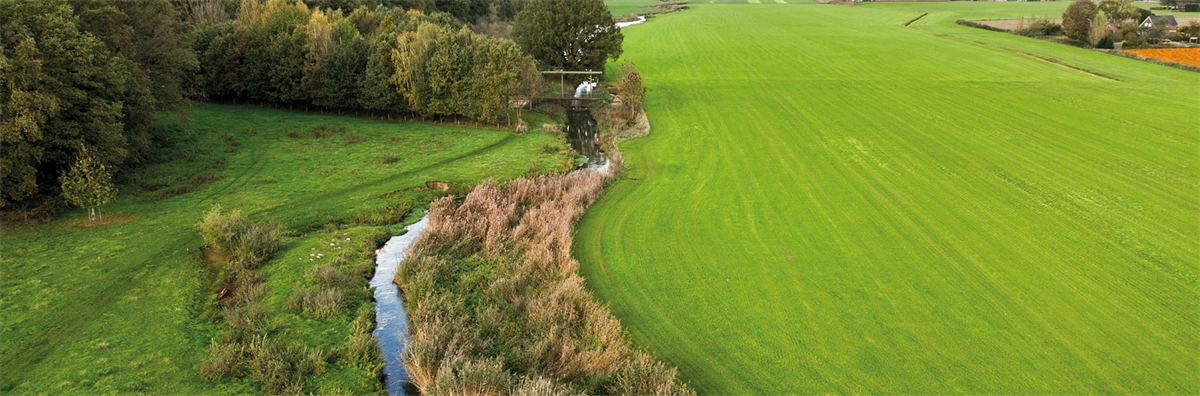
[127,307]
[831,202]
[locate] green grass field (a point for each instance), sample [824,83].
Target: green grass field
[832,203]
[625,7]
[122,308]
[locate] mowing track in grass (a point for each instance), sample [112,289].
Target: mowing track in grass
[831,202]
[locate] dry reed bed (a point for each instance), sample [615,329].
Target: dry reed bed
[497,305]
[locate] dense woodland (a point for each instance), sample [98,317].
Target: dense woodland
[96,75]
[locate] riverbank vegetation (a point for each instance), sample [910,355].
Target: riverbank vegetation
[129,305]
[497,304]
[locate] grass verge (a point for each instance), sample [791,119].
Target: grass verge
[132,307]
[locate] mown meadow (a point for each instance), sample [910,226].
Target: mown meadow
[622,8]
[831,202]
[129,305]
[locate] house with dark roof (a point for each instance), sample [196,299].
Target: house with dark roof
[1167,21]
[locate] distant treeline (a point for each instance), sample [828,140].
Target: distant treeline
[385,60]
[463,10]
[95,74]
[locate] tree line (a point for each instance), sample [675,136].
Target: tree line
[81,75]
[384,60]
[94,75]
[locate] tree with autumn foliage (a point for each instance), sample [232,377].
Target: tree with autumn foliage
[1077,19]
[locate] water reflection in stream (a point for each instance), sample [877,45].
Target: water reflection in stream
[391,320]
[583,137]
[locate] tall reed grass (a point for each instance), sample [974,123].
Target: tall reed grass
[498,307]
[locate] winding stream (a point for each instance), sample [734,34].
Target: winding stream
[582,135]
[391,320]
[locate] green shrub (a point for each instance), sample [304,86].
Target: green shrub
[247,244]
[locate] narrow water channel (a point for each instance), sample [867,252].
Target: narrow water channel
[583,136]
[391,321]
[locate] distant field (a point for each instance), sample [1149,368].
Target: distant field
[122,308]
[626,7]
[832,203]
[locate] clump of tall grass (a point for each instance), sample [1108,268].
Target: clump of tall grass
[498,307]
[247,245]
[321,303]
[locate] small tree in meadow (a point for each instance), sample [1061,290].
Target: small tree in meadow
[1077,19]
[88,183]
[630,86]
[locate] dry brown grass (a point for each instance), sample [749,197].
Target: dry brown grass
[497,304]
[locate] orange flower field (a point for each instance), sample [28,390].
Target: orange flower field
[1187,56]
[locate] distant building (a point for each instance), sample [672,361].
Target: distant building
[1160,20]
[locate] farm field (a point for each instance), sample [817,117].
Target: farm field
[830,202]
[1187,56]
[123,307]
[625,7]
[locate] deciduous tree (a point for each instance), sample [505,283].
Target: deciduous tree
[568,34]
[68,88]
[631,88]
[88,183]
[1120,12]
[1077,19]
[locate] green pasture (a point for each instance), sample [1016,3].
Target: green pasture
[126,307]
[832,203]
[625,7]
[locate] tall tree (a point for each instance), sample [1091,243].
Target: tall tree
[1120,12]
[568,34]
[631,88]
[100,101]
[1077,19]
[88,183]
[26,106]
[150,33]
